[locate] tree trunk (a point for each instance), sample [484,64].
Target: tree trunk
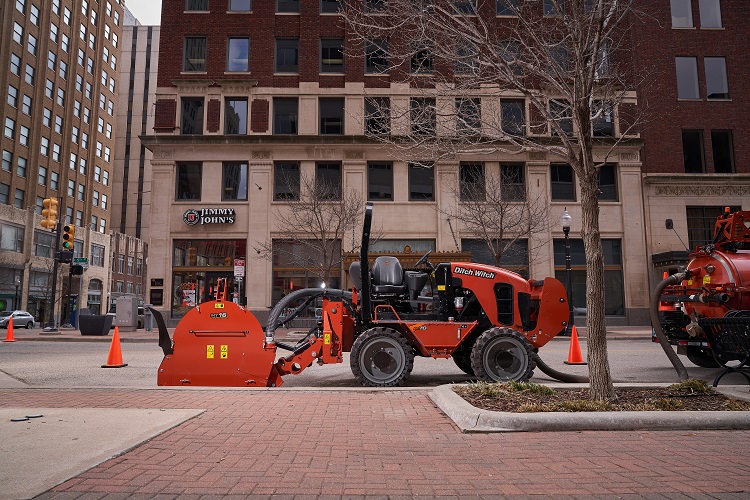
[601,386]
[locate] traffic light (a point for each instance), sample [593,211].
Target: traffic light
[69,233]
[49,213]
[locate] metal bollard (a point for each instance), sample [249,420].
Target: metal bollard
[148,319]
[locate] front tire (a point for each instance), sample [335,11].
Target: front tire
[701,358]
[381,357]
[501,354]
[29,325]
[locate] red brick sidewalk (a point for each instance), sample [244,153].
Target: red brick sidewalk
[319,444]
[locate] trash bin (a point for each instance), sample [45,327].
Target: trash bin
[95,324]
[148,319]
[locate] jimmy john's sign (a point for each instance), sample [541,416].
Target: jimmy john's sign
[194,217]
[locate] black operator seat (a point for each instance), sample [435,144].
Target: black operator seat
[387,276]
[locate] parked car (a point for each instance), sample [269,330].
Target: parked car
[20,319]
[113,312]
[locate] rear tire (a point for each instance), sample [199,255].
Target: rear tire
[381,357]
[501,354]
[701,358]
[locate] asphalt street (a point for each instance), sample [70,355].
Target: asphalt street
[78,364]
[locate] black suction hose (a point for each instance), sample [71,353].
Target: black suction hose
[310,294]
[568,378]
[656,324]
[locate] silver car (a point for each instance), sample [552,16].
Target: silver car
[20,319]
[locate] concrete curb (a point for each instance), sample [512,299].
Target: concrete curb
[471,419]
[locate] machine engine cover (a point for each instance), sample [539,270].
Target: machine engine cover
[219,343]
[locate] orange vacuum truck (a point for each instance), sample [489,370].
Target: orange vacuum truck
[491,321]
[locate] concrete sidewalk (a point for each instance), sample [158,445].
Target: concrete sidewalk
[384,444]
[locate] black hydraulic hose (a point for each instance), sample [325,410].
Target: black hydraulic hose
[568,378]
[656,323]
[309,293]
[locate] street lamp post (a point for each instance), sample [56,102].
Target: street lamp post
[17,297]
[565,220]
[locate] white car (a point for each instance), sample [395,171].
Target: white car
[20,319]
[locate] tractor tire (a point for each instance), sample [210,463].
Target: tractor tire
[701,358]
[463,362]
[501,355]
[381,357]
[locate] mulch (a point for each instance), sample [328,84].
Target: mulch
[628,399]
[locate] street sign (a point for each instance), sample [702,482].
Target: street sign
[81,261]
[239,268]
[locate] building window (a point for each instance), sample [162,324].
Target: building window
[332,55]
[42,176]
[421,58]
[21,167]
[513,117]
[507,7]
[561,182]
[102,225]
[423,116]
[467,7]
[602,122]
[189,180]
[466,60]
[614,297]
[199,5]
[97,255]
[512,182]
[701,223]
[94,222]
[121,263]
[376,55]
[710,11]
[421,181]
[104,202]
[287,55]
[286,181]
[192,116]
[561,113]
[71,187]
[81,192]
[131,264]
[287,6]
[10,128]
[235,116]
[238,54]
[716,78]
[554,7]
[377,116]
[7,160]
[328,181]
[12,96]
[54,179]
[29,76]
[235,181]
[18,33]
[375,6]
[682,13]
[11,237]
[18,200]
[26,105]
[139,266]
[468,116]
[687,78]
[194,59]
[4,194]
[380,181]
[330,6]
[285,115]
[331,116]
[514,256]
[471,180]
[693,154]
[722,144]
[240,5]
[608,182]
[15,64]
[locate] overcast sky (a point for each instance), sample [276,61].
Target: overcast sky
[148,12]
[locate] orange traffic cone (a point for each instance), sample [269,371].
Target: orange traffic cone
[114,360]
[574,353]
[9,335]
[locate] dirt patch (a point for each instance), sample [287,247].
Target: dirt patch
[527,398]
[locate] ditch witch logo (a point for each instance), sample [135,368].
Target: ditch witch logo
[209,216]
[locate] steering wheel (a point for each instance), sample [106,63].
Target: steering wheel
[423,260]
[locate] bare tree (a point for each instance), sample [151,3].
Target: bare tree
[314,223]
[550,76]
[496,209]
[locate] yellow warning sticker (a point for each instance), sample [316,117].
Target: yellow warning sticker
[224,351]
[219,305]
[707,280]
[441,288]
[210,351]
[690,282]
[326,338]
